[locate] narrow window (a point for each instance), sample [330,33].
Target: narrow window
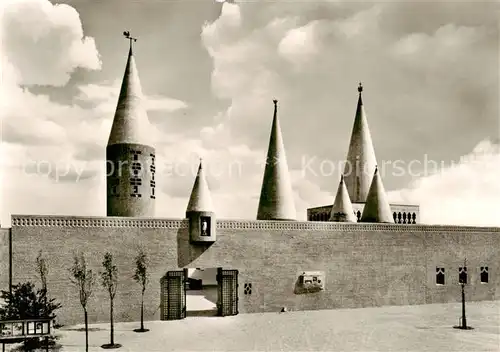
[484,275]
[394,215]
[358,215]
[248,289]
[439,276]
[462,275]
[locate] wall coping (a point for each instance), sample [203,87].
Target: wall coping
[95,221]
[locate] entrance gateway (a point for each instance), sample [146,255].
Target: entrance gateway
[173,294]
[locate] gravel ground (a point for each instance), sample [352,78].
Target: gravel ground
[408,328]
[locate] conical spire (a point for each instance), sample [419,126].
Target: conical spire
[377,208]
[361,160]
[276,196]
[200,200]
[342,207]
[130,124]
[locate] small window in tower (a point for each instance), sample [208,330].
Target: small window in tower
[462,275]
[135,181]
[136,157]
[136,166]
[247,289]
[394,216]
[439,276]
[135,191]
[484,274]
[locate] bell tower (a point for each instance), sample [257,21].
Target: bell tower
[130,160]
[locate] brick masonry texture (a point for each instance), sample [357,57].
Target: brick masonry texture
[120,160]
[365,264]
[4,259]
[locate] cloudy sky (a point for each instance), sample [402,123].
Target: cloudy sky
[209,71]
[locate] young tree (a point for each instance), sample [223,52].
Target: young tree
[141,276]
[83,278]
[109,280]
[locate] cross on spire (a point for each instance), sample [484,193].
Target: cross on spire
[360,87]
[127,35]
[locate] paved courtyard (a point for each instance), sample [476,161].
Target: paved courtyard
[408,328]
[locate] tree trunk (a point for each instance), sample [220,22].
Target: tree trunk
[86,330]
[111,322]
[142,311]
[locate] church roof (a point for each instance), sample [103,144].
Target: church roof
[361,160]
[276,196]
[342,207]
[200,199]
[130,123]
[377,208]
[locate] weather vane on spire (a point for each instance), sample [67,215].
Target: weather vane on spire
[127,35]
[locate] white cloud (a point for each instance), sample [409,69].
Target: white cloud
[467,193]
[45,42]
[299,44]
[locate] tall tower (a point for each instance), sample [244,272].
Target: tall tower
[129,159]
[276,196]
[361,161]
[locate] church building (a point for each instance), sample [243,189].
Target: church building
[360,251]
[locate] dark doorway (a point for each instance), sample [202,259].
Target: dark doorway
[173,295]
[227,292]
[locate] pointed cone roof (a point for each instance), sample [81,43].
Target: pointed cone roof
[200,199]
[342,207]
[361,161]
[130,124]
[276,196]
[377,208]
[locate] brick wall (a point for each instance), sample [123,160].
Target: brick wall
[4,259]
[364,264]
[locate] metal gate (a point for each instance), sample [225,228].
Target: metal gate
[227,292]
[173,295]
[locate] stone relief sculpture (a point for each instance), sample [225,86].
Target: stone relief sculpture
[310,282]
